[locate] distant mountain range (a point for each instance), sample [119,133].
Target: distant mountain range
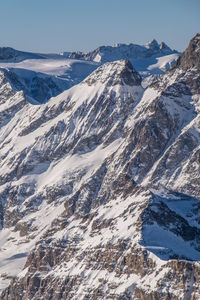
[144,58]
[123,51]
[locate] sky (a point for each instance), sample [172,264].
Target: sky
[52,26]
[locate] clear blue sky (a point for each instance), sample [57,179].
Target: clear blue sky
[56,25]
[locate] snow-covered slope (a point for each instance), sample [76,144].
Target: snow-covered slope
[100,187]
[43,78]
[57,66]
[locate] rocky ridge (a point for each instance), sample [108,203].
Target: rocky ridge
[121,51]
[100,189]
[151,59]
[10,54]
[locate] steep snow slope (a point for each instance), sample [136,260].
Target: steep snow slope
[88,204]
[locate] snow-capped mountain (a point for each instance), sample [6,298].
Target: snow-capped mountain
[123,51]
[152,58]
[100,187]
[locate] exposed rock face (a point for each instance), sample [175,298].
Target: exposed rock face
[116,73]
[191,56]
[100,189]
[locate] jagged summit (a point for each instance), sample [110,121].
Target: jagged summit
[120,51]
[191,56]
[156,46]
[164,47]
[184,75]
[113,73]
[153,45]
[159,48]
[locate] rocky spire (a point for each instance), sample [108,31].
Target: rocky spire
[153,45]
[164,47]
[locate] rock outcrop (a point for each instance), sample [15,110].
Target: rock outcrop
[191,56]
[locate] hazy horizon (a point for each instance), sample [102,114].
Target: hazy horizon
[52,27]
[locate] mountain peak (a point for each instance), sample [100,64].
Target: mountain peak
[152,45]
[191,56]
[113,73]
[164,46]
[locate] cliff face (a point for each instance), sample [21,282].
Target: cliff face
[191,56]
[100,189]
